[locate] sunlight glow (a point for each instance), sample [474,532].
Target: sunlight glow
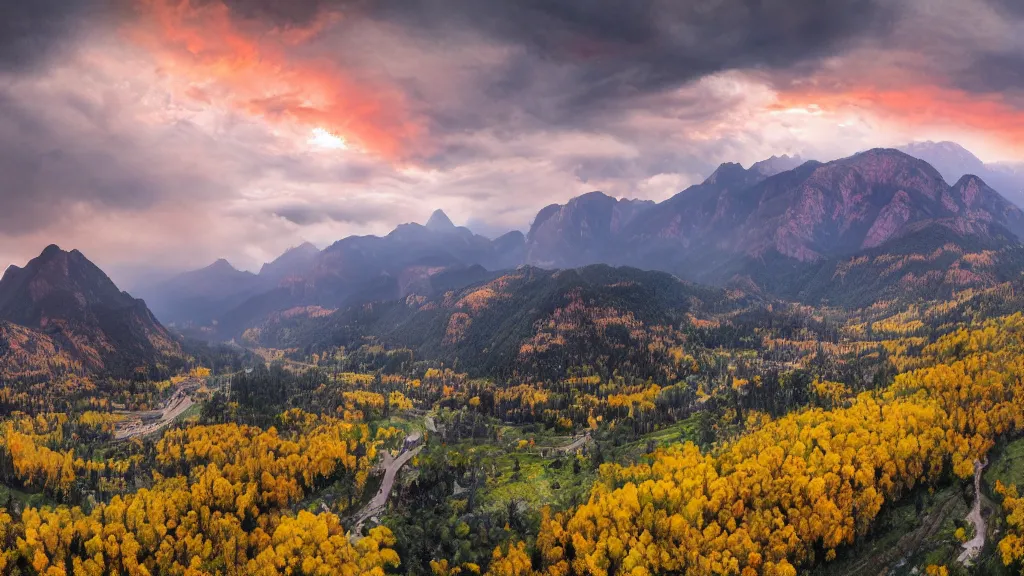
[811,110]
[324,139]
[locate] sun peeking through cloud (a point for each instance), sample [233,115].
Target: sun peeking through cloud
[322,138]
[261,70]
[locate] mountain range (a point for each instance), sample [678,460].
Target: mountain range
[220,300]
[881,224]
[740,225]
[877,224]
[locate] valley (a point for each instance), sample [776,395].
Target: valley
[845,400]
[511,288]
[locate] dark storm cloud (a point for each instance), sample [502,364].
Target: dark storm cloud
[670,41]
[1014,8]
[60,150]
[602,51]
[33,31]
[970,45]
[993,72]
[45,166]
[566,61]
[286,13]
[995,60]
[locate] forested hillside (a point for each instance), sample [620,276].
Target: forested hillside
[649,425]
[60,315]
[527,323]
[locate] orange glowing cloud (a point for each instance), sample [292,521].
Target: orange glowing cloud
[923,106]
[246,66]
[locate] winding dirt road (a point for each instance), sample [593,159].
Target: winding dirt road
[973,546]
[380,500]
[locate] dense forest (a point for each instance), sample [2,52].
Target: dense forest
[595,421]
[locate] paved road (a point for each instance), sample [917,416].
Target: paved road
[141,423]
[973,546]
[574,445]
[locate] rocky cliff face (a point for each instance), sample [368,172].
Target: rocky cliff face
[954,162]
[581,232]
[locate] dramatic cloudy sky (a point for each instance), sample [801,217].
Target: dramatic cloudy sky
[166,133]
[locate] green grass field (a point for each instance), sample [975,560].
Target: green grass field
[540,481]
[1007,466]
[551,480]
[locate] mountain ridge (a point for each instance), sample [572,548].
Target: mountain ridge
[781,217]
[813,212]
[72,305]
[520,322]
[356,269]
[295,261]
[954,161]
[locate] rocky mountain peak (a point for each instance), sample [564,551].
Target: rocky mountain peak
[776,165]
[69,297]
[439,222]
[221,264]
[56,277]
[51,251]
[295,261]
[727,173]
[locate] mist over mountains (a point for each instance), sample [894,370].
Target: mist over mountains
[879,224]
[882,223]
[785,226]
[954,161]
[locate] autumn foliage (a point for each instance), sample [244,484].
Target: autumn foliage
[793,491]
[222,506]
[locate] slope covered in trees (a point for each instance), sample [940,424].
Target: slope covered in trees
[593,421]
[934,261]
[66,309]
[790,492]
[220,506]
[528,322]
